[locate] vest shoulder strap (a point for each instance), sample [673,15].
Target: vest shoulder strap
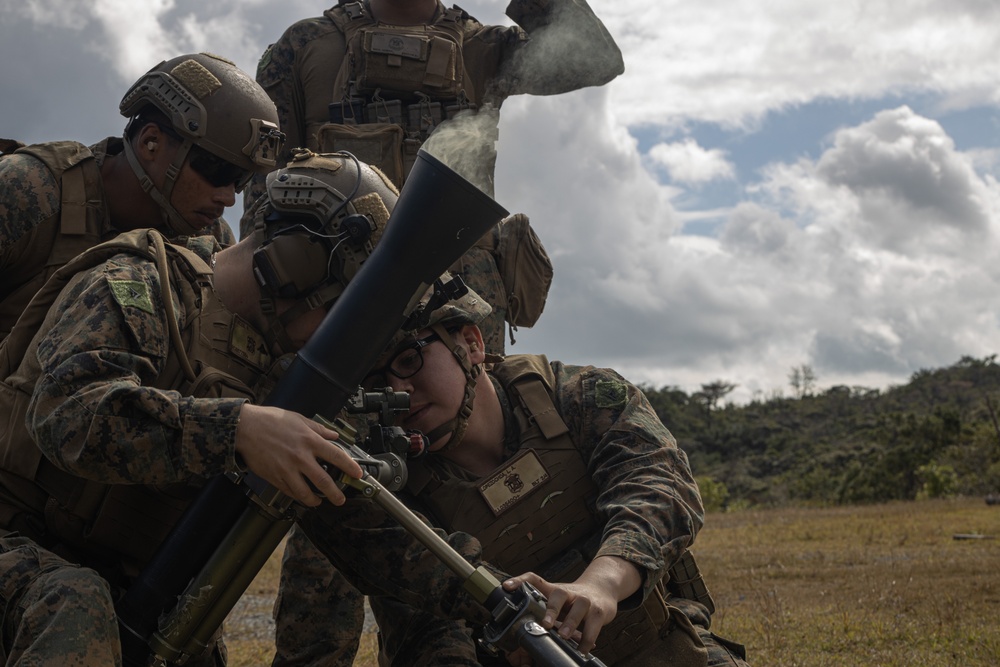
[349,17]
[531,379]
[58,155]
[81,211]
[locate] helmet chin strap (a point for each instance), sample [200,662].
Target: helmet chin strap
[172,220]
[460,423]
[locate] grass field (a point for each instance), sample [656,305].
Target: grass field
[882,585]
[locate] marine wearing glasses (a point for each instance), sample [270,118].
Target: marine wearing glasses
[405,363]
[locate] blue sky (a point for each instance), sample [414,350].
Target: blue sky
[767,185]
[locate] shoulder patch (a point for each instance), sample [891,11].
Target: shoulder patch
[609,394]
[132,294]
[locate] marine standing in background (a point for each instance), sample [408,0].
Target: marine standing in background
[198,129]
[378,77]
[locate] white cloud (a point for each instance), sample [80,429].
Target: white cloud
[731,61]
[689,163]
[898,183]
[868,263]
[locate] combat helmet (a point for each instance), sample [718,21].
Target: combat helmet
[320,218]
[221,116]
[461,305]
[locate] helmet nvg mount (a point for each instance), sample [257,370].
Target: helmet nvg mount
[320,219]
[221,116]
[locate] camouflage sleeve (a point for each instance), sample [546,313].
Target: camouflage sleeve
[561,46]
[95,412]
[379,557]
[646,490]
[28,195]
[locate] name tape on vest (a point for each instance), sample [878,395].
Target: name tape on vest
[513,482]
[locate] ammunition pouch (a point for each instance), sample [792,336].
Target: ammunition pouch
[123,523]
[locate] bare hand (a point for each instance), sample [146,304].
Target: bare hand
[571,607]
[285,449]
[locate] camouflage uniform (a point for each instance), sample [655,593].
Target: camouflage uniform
[644,499]
[101,408]
[30,218]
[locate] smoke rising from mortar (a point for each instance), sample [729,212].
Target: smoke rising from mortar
[467,143]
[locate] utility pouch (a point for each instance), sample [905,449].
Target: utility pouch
[133,519]
[525,269]
[407,60]
[452,110]
[679,639]
[378,144]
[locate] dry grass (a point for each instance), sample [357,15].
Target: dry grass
[882,585]
[879,586]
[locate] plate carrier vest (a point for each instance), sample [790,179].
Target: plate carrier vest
[395,85]
[551,529]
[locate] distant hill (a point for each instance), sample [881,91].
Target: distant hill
[938,435]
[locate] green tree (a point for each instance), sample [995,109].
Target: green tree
[939,481]
[714,495]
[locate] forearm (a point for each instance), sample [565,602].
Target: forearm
[111,429]
[647,498]
[618,576]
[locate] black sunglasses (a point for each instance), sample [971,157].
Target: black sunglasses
[217,171]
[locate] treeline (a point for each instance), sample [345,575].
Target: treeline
[938,435]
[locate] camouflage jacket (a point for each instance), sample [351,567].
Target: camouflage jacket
[100,358]
[31,216]
[121,403]
[647,497]
[647,505]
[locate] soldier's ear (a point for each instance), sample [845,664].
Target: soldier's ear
[473,337]
[149,140]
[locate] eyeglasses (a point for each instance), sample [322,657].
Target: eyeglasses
[217,171]
[406,363]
